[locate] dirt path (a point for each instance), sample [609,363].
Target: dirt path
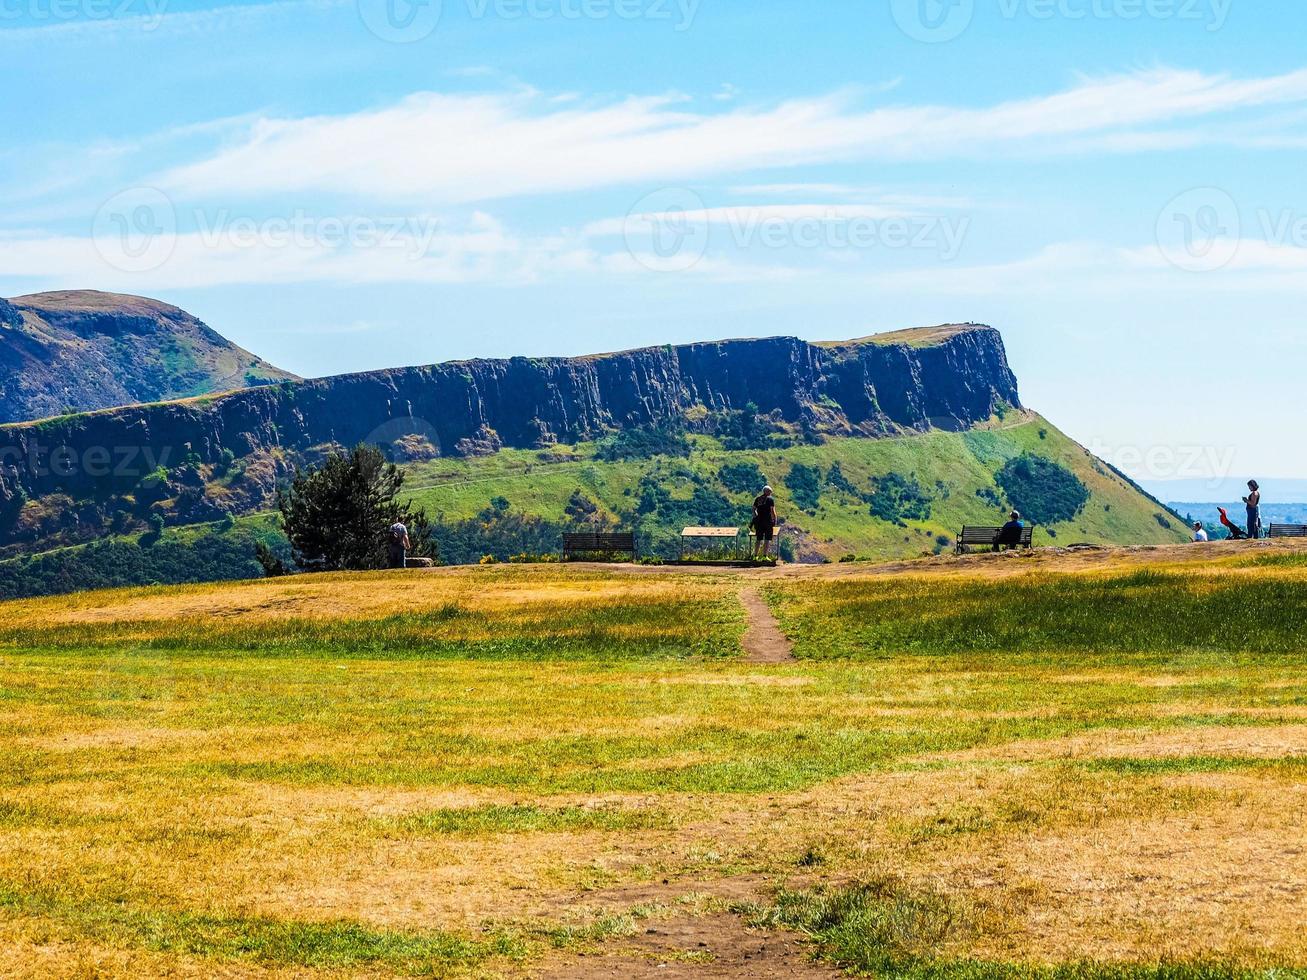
[713,946]
[684,946]
[764,643]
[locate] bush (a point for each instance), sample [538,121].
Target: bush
[111,564]
[644,442]
[1044,492]
[835,477]
[805,486]
[742,477]
[897,500]
[746,429]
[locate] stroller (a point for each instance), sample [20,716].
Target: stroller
[1236,532]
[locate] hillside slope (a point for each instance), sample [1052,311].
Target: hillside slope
[77,351]
[894,497]
[880,447]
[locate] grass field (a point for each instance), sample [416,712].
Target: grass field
[1061,766]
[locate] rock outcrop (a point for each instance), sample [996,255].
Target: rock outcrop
[948,377]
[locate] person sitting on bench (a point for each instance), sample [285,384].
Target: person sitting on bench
[1009,536]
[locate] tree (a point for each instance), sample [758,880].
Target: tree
[337,517]
[1044,491]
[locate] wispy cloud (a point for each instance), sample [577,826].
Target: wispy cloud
[445,148]
[153,19]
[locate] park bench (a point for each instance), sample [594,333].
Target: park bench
[1289,530]
[987,537]
[593,543]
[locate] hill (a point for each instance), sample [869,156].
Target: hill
[878,448]
[75,351]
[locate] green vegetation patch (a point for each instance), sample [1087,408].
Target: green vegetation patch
[1042,490]
[1147,612]
[521,819]
[275,942]
[886,928]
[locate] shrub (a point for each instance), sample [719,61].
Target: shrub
[746,429]
[897,500]
[742,477]
[1042,490]
[805,486]
[644,442]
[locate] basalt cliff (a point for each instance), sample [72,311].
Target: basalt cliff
[949,377]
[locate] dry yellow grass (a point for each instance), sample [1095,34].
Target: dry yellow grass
[209,810]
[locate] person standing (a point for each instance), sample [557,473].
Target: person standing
[398,545]
[764,522]
[1254,502]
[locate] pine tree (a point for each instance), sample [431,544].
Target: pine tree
[338,516]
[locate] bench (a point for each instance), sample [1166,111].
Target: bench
[598,543]
[1289,530]
[987,537]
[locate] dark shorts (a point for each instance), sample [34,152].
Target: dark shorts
[764,532]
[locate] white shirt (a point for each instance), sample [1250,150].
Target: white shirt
[1200,535]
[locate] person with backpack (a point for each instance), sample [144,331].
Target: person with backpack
[398,545]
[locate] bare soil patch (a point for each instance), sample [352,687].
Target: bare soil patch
[764,643]
[712,946]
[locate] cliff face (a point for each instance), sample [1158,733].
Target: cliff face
[949,378]
[85,350]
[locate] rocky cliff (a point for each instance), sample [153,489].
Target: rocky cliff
[947,377]
[77,351]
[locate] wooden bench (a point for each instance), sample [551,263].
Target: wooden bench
[987,537]
[598,543]
[1289,530]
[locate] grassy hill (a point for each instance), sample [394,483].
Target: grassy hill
[842,499]
[953,475]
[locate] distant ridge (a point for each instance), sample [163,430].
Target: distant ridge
[80,350]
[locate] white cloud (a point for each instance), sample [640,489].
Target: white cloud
[463,148]
[750,216]
[152,19]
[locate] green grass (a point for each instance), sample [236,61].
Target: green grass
[1147,613]
[262,940]
[951,467]
[889,929]
[520,819]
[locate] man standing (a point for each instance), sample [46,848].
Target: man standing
[764,522]
[398,545]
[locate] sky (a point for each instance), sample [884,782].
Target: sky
[342,185]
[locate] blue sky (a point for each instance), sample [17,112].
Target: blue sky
[338,186]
